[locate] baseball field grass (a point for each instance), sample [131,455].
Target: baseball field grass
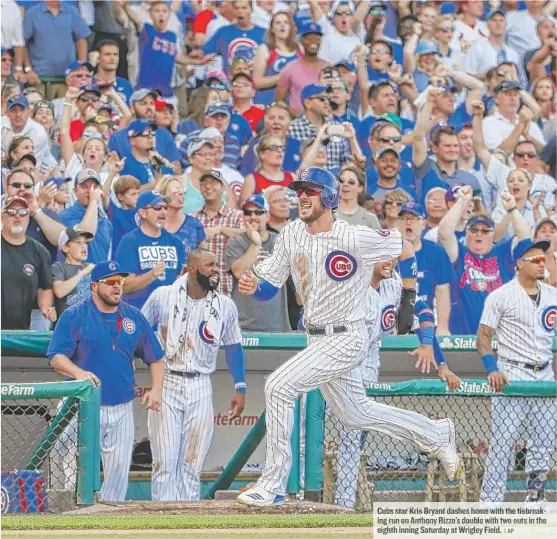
[267,526]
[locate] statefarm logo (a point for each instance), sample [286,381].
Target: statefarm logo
[17,389]
[456,344]
[471,387]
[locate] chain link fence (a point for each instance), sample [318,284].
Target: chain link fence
[49,446]
[492,434]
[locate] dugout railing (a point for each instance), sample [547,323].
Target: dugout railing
[62,469]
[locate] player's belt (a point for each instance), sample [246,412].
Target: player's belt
[185,374]
[530,366]
[325,330]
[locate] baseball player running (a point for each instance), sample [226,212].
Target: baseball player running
[383,296]
[522,314]
[193,320]
[97,339]
[330,262]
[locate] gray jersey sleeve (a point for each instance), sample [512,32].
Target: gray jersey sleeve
[377,245]
[155,309]
[493,310]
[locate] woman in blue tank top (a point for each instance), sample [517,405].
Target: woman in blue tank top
[274,55]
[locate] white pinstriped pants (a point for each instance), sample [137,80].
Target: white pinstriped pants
[181,435]
[539,416]
[331,363]
[117,437]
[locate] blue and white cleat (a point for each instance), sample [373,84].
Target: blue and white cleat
[259,497]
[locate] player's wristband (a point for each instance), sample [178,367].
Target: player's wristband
[408,269]
[240,388]
[265,291]
[489,363]
[428,334]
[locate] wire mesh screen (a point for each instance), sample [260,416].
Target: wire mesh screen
[493,435]
[39,455]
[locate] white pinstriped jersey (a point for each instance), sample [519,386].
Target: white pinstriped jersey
[524,332]
[200,349]
[331,270]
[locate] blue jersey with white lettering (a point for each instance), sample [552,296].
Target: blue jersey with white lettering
[434,269]
[139,253]
[157,56]
[229,39]
[477,276]
[106,344]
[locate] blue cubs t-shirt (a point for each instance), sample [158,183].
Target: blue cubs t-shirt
[229,39]
[157,56]
[139,253]
[144,172]
[240,128]
[477,276]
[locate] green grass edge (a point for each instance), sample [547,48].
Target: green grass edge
[186,522]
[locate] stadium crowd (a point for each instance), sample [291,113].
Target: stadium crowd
[219,105]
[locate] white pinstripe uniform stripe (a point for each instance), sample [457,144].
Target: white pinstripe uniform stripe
[525,335]
[385,301]
[331,272]
[182,431]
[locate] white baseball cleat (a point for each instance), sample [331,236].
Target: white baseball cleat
[259,497]
[448,453]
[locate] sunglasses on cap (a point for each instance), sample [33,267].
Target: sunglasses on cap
[90,134]
[146,133]
[396,138]
[19,185]
[309,191]
[89,98]
[218,86]
[274,148]
[482,231]
[534,259]
[112,281]
[22,212]
[248,213]
[157,207]
[530,155]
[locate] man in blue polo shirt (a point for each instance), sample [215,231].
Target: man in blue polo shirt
[96,340]
[435,271]
[151,255]
[142,104]
[85,213]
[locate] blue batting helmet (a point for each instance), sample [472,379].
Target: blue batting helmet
[315,176]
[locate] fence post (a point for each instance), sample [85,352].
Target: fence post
[293,485]
[88,448]
[315,436]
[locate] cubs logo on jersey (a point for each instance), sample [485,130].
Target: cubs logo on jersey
[128,325]
[388,318]
[549,316]
[236,188]
[206,336]
[340,266]
[383,233]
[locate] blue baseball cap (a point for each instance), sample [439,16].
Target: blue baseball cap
[258,200]
[76,65]
[217,108]
[148,198]
[383,151]
[347,64]
[480,219]
[219,76]
[494,12]
[105,269]
[412,207]
[90,88]
[523,246]
[507,85]
[57,181]
[426,47]
[137,127]
[306,28]
[17,99]
[311,90]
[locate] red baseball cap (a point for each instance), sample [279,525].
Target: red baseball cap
[160,104]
